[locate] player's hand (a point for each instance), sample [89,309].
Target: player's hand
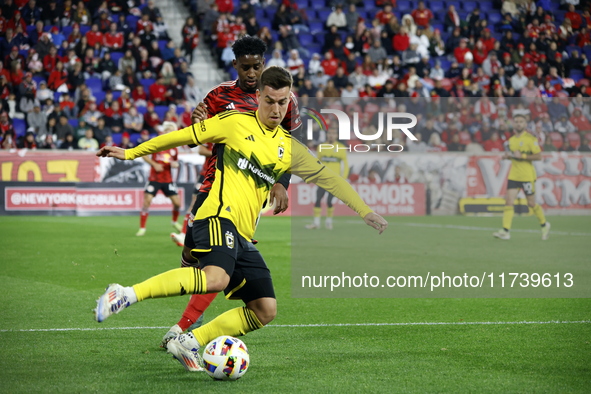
[376,221]
[199,113]
[174,164]
[506,156]
[278,196]
[517,154]
[158,167]
[111,151]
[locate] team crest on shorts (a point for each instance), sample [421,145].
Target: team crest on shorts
[229,240]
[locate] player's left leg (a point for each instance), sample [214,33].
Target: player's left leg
[171,192]
[317,209]
[508,212]
[537,210]
[329,211]
[148,197]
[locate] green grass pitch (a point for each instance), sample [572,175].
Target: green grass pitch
[53,269]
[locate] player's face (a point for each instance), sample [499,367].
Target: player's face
[250,68]
[519,124]
[273,105]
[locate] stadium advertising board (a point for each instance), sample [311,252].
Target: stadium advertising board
[384,198]
[564,180]
[81,199]
[50,166]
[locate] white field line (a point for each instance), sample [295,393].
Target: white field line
[472,228]
[484,323]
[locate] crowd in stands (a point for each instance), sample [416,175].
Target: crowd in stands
[81,74]
[524,52]
[84,74]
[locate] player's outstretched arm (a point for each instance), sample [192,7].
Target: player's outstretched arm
[111,151]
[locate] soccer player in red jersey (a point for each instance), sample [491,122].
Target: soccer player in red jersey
[161,179]
[231,95]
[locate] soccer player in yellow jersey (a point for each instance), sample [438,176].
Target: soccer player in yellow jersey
[523,149]
[333,155]
[250,160]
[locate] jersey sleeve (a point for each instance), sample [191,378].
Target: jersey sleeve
[311,170]
[210,102]
[209,130]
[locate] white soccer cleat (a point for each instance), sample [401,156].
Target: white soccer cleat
[312,226]
[178,239]
[546,231]
[177,226]
[141,232]
[113,301]
[185,349]
[328,225]
[502,234]
[173,332]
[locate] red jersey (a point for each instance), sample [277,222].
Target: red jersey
[230,96]
[164,158]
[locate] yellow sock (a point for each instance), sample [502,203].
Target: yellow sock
[235,322]
[179,281]
[539,212]
[329,212]
[508,212]
[317,212]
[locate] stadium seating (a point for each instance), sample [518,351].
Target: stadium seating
[20,126]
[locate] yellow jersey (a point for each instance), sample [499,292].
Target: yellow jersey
[523,170]
[251,158]
[335,158]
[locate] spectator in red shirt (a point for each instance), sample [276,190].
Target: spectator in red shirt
[460,52]
[50,60]
[495,144]
[142,23]
[16,74]
[151,119]
[580,121]
[225,6]
[401,41]
[158,92]
[422,15]
[58,78]
[15,21]
[385,15]
[488,40]
[480,53]
[94,36]
[329,64]
[528,66]
[575,18]
[113,39]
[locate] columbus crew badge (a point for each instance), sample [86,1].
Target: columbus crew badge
[229,240]
[280,152]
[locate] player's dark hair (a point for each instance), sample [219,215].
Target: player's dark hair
[276,77]
[248,45]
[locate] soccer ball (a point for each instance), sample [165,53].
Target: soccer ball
[226,358]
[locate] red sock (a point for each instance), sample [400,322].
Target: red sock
[197,305]
[143,218]
[185,222]
[175,215]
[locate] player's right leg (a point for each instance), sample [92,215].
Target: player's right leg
[149,193]
[317,209]
[508,211]
[538,211]
[329,211]
[179,238]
